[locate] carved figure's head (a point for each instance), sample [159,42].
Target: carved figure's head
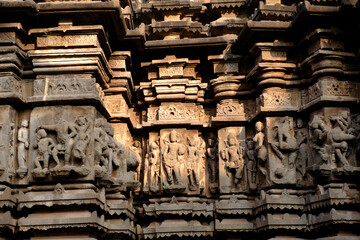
[250,144]
[25,123]
[299,123]
[81,120]
[99,123]
[153,146]
[42,134]
[259,126]
[173,136]
[232,139]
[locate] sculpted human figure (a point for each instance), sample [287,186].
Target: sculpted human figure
[110,152]
[154,166]
[193,163]
[337,139]
[286,144]
[251,163]
[65,137]
[45,147]
[212,152]
[23,144]
[100,143]
[82,137]
[136,148]
[260,149]
[301,140]
[233,156]
[173,151]
[319,132]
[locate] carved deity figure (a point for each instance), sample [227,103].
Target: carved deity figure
[212,152]
[65,133]
[233,157]
[286,144]
[301,135]
[153,158]
[82,137]
[193,162]
[251,163]
[46,147]
[23,144]
[137,151]
[331,142]
[112,148]
[172,158]
[338,138]
[100,143]
[260,149]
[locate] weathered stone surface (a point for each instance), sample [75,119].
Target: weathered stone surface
[216,119]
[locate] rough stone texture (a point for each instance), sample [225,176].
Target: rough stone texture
[204,119]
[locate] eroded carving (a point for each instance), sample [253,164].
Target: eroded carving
[251,163]
[233,157]
[173,153]
[285,147]
[212,153]
[23,145]
[331,139]
[260,149]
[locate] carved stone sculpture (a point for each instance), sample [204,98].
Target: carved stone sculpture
[101,163]
[301,135]
[192,163]
[65,134]
[212,153]
[172,153]
[284,148]
[260,149]
[23,144]
[46,147]
[82,139]
[233,157]
[251,163]
[154,165]
[332,137]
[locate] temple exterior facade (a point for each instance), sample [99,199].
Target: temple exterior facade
[179,119]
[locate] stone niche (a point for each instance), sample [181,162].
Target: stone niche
[175,162]
[232,173]
[8,132]
[282,149]
[61,142]
[331,142]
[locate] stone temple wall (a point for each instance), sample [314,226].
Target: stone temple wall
[179,119]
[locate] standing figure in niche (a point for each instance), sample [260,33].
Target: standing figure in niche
[82,138]
[172,154]
[154,166]
[23,144]
[46,147]
[233,157]
[100,143]
[110,152]
[251,163]
[212,152]
[260,149]
[65,137]
[137,151]
[287,144]
[193,163]
[301,140]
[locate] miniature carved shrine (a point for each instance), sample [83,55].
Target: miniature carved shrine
[191,119]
